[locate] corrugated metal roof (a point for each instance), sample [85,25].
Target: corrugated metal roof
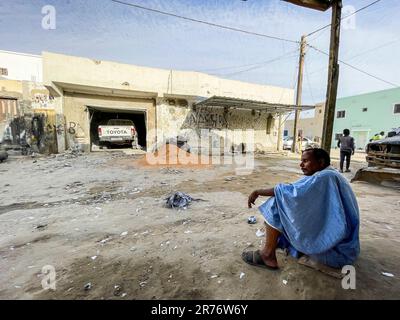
[227,102]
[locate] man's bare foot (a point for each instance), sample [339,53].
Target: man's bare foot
[269,258]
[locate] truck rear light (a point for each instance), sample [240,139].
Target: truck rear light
[99,131]
[133,131]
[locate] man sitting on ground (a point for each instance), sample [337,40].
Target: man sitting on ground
[316,216]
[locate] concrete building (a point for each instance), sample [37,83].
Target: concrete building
[308,127]
[162,103]
[367,114]
[23,98]
[364,115]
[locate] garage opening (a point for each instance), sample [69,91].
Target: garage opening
[103,117]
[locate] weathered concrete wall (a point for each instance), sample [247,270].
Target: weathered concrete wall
[77,115]
[28,98]
[105,74]
[113,81]
[184,121]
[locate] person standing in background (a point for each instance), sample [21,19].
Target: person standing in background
[346,145]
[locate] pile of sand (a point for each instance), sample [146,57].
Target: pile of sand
[170,155]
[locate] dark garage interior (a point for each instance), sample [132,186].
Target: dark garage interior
[101,117]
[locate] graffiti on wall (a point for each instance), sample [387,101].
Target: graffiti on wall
[41,100]
[74,127]
[206,118]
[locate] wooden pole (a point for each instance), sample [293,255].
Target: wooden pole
[333,77]
[299,90]
[278,148]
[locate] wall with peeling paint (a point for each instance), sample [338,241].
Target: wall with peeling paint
[184,121]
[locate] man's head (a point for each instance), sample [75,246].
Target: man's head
[346,132]
[382,133]
[314,160]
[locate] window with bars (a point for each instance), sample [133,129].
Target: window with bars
[3,72]
[341,114]
[396,108]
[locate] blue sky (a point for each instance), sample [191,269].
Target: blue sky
[106,30]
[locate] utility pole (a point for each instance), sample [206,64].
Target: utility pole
[299,89]
[333,77]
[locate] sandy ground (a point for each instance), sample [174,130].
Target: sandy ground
[99,218]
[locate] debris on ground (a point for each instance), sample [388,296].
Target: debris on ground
[87,286]
[387,274]
[3,155]
[242,274]
[178,200]
[260,233]
[252,220]
[41,226]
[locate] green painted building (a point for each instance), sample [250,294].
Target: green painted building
[367,114]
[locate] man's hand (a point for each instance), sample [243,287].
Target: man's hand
[252,198]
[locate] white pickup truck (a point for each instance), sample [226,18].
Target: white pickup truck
[118,131]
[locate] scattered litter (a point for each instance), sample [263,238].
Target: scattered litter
[219,281]
[88,286]
[70,289]
[242,274]
[41,226]
[123,234]
[98,208]
[146,232]
[214,276]
[94,258]
[105,240]
[138,209]
[143,283]
[252,220]
[17,287]
[123,295]
[30,267]
[284,282]
[178,200]
[175,247]
[386,274]
[188,231]
[117,290]
[260,233]
[132,249]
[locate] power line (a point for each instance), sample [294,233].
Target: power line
[205,22]
[247,65]
[375,48]
[256,67]
[357,69]
[328,25]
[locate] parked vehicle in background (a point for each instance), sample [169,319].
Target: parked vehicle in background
[306,143]
[118,132]
[385,152]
